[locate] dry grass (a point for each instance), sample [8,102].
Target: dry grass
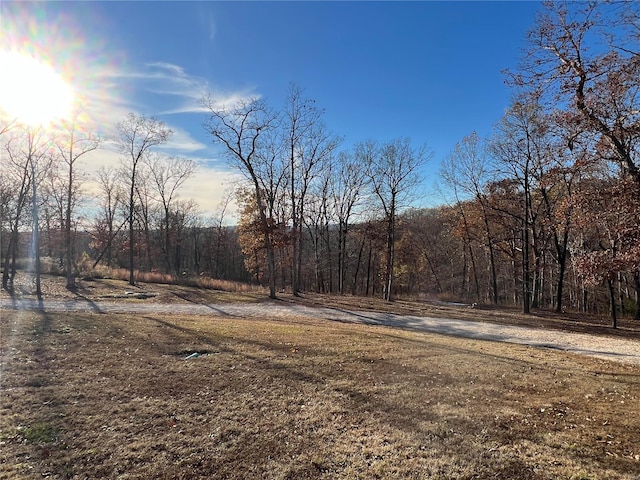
[103,272]
[112,396]
[111,287]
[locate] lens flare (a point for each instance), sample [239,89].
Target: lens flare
[54,65]
[31,91]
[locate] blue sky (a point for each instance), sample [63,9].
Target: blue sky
[430,71]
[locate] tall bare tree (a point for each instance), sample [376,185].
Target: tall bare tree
[137,136]
[167,175]
[394,172]
[348,180]
[72,145]
[240,129]
[520,146]
[17,180]
[309,147]
[467,168]
[29,152]
[318,217]
[112,198]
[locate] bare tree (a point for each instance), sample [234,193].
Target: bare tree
[308,147]
[467,168]
[28,151]
[17,185]
[137,136]
[145,214]
[555,176]
[53,194]
[585,55]
[394,173]
[167,175]
[520,146]
[317,219]
[241,129]
[348,181]
[112,196]
[73,146]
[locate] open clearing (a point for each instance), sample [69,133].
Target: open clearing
[161,394]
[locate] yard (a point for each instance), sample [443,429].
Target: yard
[91,395]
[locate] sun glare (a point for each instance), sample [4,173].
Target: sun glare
[31,91]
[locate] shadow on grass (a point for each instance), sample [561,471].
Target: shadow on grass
[45,428]
[318,367]
[346,373]
[93,305]
[206,305]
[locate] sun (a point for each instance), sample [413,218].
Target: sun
[31,91]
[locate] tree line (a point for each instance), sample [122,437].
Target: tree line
[544,213]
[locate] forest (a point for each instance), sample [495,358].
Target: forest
[543,214]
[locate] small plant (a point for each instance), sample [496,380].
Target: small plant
[581,476]
[40,433]
[36,382]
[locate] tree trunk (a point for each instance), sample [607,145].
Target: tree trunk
[562,265]
[271,265]
[537,282]
[8,266]
[526,268]
[494,277]
[636,285]
[391,231]
[368,272]
[36,235]
[341,255]
[329,258]
[132,280]
[355,275]
[294,218]
[434,272]
[612,298]
[9,271]
[167,242]
[71,279]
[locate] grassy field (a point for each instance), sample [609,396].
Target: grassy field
[89,395]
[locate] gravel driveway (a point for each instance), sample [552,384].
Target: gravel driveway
[610,348]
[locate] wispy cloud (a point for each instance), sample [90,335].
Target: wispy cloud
[171,88]
[182,142]
[159,89]
[174,90]
[213,29]
[163,89]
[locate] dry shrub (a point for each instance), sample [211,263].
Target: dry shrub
[224,285]
[154,277]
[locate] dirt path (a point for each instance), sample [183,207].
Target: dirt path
[616,349]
